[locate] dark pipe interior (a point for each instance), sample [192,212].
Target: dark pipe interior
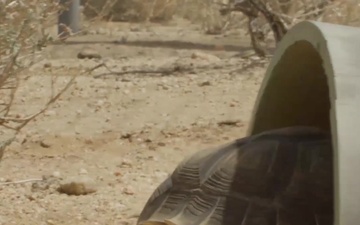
[298,98]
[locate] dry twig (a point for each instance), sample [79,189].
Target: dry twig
[22,25]
[162,71]
[21,181]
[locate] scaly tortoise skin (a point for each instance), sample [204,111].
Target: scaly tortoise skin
[279,177]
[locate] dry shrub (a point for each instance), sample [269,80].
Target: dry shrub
[101,9]
[290,12]
[22,32]
[130,10]
[205,12]
[344,12]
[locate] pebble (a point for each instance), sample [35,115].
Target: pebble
[56,174]
[128,191]
[89,53]
[204,56]
[47,65]
[45,144]
[125,163]
[83,171]
[205,83]
[50,113]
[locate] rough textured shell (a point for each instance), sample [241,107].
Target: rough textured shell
[275,178]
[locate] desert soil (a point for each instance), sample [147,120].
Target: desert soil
[121,135]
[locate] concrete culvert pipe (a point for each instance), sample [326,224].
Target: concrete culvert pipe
[314,80]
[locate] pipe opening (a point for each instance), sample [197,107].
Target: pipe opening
[297,92]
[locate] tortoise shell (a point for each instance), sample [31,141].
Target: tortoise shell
[279,177]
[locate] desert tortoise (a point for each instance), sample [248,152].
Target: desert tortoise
[279,177]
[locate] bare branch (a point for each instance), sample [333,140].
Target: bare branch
[21,181]
[20,26]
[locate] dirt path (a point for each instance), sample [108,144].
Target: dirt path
[121,135]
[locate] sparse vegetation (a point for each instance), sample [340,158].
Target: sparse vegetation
[210,13]
[207,11]
[22,35]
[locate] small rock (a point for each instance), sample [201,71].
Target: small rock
[88,53]
[30,197]
[118,174]
[204,56]
[45,144]
[75,188]
[56,174]
[83,171]
[50,222]
[205,83]
[128,191]
[126,136]
[125,164]
[88,141]
[47,65]
[49,113]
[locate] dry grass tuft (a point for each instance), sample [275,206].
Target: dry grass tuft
[346,12]
[206,12]
[130,10]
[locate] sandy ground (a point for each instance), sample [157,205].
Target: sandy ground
[120,135]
